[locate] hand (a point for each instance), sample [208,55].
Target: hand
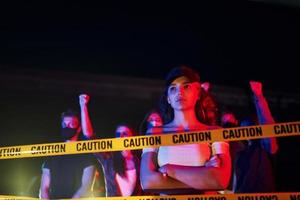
[84,99]
[164,170]
[256,88]
[206,86]
[214,161]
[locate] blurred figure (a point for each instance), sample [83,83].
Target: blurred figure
[252,159]
[209,112]
[68,176]
[99,182]
[229,120]
[121,169]
[152,119]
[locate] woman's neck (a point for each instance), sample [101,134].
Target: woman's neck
[186,119]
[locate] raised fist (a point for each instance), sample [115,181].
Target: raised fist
[84,99]
[206,86]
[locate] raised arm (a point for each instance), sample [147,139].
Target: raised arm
[86,124]
[262,108]
[264,115]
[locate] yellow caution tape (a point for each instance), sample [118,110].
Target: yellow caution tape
[5,197]
[140,142]
[256,196]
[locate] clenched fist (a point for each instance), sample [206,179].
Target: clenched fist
[84,99]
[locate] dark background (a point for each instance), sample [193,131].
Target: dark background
[229,43]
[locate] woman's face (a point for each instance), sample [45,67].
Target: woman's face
[154,120]
[123,131]
[182,94]
[70,122]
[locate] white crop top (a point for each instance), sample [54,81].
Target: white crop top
[188,155]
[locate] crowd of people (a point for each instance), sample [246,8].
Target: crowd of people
[201,168]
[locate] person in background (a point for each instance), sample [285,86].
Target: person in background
[68,176]
[151,120]
[172,169]
[253,170]
[121,169]
[209,112]
[229,120]
[252,159]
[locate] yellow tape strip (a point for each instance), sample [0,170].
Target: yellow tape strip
[139,142]
[256,196]
[5,197]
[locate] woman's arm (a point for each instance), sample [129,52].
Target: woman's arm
[202,178]
[86,182]
[127,182]
[86,124]
[154,181]
[264,115]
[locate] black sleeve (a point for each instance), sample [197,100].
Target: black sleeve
[46,164]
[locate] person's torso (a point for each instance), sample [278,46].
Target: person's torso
[66,174]
[114,181]
[253,169]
